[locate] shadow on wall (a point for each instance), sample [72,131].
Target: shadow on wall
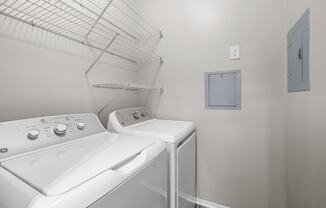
[147,75]
[108,69]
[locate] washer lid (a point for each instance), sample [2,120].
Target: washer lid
[163,130]
[58,170]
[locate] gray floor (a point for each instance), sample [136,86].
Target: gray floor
[199,206]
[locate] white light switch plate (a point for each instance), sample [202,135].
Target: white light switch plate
[235,52]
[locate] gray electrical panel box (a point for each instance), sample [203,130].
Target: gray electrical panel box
[223,90]
[298,55]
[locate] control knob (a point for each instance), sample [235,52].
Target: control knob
[4,150]
[81,126]
[136,115]
[33,134]
[60,129]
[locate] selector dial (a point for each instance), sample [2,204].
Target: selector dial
[81,126]
[136,115]
[60,129]
[33,134]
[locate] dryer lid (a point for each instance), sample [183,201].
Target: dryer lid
[58,170]
[163,130]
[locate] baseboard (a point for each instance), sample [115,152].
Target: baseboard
[207,204]
[200,203]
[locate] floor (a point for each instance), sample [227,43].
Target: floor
[200,206]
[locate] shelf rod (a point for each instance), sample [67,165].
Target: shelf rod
[99,17]
[101,54]
[67,37]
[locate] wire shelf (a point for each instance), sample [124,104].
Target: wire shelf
[123,16]
[144,90]
[95,23]
[128,86]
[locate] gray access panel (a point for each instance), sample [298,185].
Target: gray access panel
[223,90]
[298,55]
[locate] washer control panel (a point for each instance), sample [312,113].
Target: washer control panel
[18,137]
[127,117]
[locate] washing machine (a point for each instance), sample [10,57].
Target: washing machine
[71,161]
[180,137]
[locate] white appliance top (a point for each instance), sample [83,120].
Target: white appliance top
[124,121]
[58,170]
[58,153]
[67,161]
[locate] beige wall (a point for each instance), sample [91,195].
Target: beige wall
[306,115]
[241,154]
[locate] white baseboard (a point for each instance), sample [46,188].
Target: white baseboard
[208,204]
[200,202]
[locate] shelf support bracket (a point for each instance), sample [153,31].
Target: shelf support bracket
[98,18]
[110,102]
[101,54]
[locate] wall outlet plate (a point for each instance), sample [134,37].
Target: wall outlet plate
[235,52]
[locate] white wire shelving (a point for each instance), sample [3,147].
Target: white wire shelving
[115,27]
[128,86]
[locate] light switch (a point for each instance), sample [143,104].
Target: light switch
[235,52]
